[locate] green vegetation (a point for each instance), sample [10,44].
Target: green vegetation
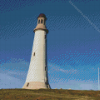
[48,94]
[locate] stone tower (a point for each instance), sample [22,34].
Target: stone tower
[37,76]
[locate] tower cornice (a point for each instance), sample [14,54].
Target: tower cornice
[41,29]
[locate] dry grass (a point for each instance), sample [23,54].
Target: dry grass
[48,94]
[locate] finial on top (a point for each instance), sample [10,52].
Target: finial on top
[42,15]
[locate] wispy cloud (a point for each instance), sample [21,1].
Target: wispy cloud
[7,81]
[61,77]
[15,64]
[68,71]
[55,67]
[74,84]
[13,73]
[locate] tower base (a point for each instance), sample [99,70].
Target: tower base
[36,85]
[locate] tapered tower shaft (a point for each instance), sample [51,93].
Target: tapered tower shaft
[37,73]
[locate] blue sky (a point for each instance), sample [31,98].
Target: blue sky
[73,42]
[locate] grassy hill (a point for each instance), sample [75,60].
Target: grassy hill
[48,94]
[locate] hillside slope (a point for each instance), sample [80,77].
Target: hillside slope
[48,94]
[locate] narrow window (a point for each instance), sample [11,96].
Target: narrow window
[45,36]
[44,22]
[27,84]
[45,68]
[41,20]
[38,21]
[34,54]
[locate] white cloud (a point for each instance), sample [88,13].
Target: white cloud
[14,66]
[7,81]
[57,75]
[13,73]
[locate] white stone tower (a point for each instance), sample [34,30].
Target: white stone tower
[37,76]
